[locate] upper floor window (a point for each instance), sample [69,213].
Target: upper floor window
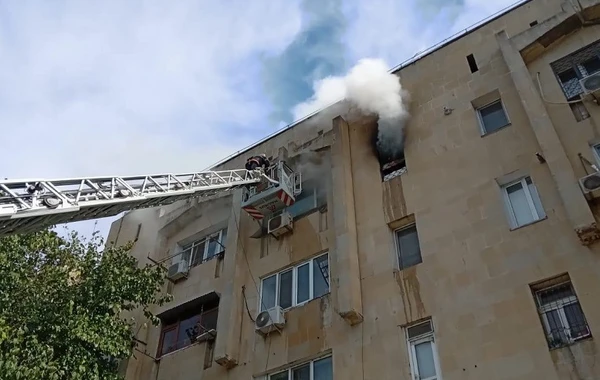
[408,247]
[312,197]
[561,314]
[296,285]
[424,362]
[181,328]
[320,369]
[492,117]
[522,203]
[204,249]
[578,65]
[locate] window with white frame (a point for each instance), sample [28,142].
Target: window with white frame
[424,362]
[296,285]
[319,369]
[408,247]
[312,197]
[560,312]
[204,249]
[492,117]
[522,202]
[596,153]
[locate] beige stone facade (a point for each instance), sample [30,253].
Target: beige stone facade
[503,269]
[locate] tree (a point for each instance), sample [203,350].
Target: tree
[61,304]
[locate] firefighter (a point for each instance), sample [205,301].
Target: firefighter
[256,162]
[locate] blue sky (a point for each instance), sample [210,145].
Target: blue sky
[129,87]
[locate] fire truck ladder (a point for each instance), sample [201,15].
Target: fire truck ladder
[31,205]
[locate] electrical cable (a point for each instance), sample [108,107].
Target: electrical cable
[255,285]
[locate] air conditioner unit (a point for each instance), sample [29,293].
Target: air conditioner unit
[280,224]
[591,84]
[590,182]
[270,320]
[178,270]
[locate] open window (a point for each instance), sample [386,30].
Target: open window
[204,249]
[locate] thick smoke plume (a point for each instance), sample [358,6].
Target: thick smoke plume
[374,90]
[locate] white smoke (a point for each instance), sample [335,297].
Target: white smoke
[374,90]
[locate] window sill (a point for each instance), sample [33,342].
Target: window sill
[495,131]
[305,303]
[572,343]
[529,224]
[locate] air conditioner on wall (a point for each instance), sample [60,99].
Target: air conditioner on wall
[591,84]
[590,183]
[270,320]
[280,224]
[178,270]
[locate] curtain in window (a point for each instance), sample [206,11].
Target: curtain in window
[425,361]
[519,204]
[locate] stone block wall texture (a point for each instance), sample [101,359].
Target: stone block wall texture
[474,281]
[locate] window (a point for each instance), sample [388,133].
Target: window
[320,369]
[310,199]
[472,64]
[408,247]
[204,249]
[560,312]
[297,285]
[580,64]
[183,329]
[424,361]
[596,153]
[492,117]
[522,203]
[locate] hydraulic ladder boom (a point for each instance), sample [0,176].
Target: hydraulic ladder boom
[30,205]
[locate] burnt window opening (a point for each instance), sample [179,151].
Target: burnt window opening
[533,23]
[391,164]
[393,168]
[472,63]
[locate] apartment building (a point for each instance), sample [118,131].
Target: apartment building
[475,256]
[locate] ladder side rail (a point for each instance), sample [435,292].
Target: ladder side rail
[93,191]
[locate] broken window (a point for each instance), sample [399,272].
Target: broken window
[393,168]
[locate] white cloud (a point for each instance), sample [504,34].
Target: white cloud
[116,88]
[91,88]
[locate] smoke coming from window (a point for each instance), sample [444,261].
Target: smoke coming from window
[370,87]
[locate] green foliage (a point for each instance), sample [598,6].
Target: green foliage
[61,301]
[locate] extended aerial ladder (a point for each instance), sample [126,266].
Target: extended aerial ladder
[31,205]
